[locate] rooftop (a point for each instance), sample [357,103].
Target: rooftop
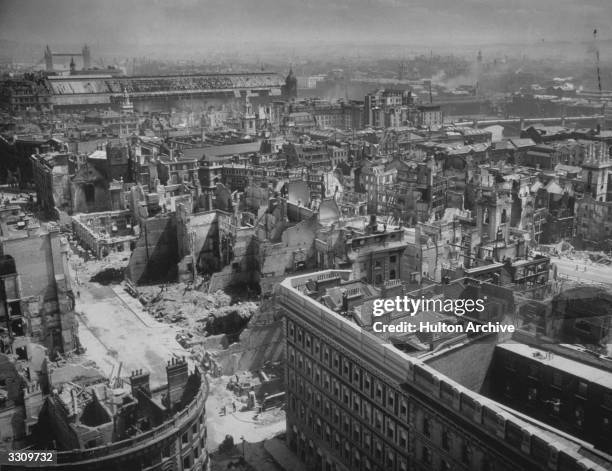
[573,367]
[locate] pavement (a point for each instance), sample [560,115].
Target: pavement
[587,271]
[249,424]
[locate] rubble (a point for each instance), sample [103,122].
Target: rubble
[196,312]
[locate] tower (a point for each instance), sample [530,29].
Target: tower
[290,87]
[597,171]
[72,66]
[493,213]
[126,104]
[248,118]
[48,59]
[86,57]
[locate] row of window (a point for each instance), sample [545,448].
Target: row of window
[198,446]
[359,425]
[452,444]
[361,450]
[330,390]
[335,368]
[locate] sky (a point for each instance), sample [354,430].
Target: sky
[198,24]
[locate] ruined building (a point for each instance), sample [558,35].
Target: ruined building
[131,426]
[37,298]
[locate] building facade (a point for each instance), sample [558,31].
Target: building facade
[356,403]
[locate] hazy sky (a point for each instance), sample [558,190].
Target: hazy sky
[197,23]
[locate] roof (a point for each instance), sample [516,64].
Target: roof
[573,367]
[521,143]
[504,145]
[567,168]
[218,152]
[98,154]
[554,188]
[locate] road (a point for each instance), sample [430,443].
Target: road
[595,273]
[117,330]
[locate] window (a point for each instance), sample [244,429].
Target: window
[185,438]
[366,411]
[466,453]
[446,440]
[391,400]
[532,395]
[378,419]
[393,258]
[366,383]
[555,406]
[426,427]
[186,462]
[377,450]
[579,416]
[582,389]
[426,455]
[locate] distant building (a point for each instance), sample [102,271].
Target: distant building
[429,116]
[290,89]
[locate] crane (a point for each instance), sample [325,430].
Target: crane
[597,61]
[596,46]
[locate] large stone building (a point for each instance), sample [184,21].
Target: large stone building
[357,402]
[147,93]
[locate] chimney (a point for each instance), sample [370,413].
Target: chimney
[139,380]
[177,374]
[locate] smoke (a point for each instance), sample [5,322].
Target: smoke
[471,77]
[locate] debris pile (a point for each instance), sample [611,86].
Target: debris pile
[196,311]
